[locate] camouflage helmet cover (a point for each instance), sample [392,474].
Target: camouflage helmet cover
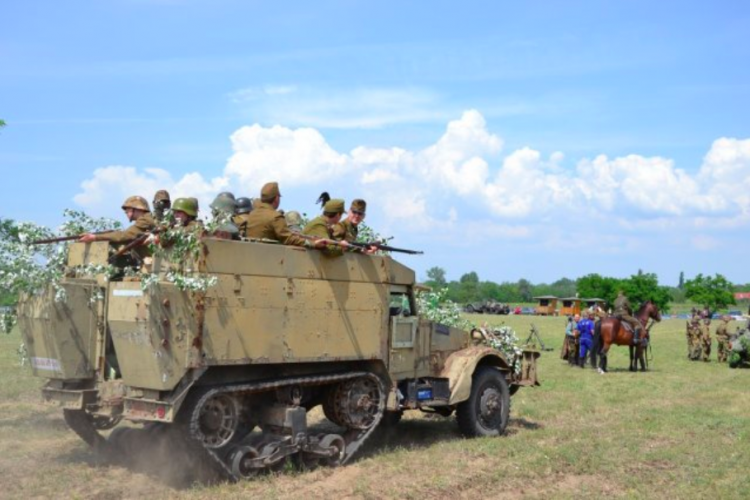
[136,202]
[293,218]
[244,205]
[187,205]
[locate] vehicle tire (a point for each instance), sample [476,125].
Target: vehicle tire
[487,411]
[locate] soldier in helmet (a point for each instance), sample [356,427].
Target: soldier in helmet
[185,212]
[222,210]
[327,227]
[161,204]
[137,211]
[294,221]
[624,312]
[266,222]
[244,207]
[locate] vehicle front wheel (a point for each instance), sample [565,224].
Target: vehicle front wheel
[487,411]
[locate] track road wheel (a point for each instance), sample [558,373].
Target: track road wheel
[215,418]
[240,459]
[337,446]
[487,410]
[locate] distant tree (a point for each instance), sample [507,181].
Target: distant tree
[525,290]
[471,277]
[714,293]
[645,286]
[436,277]
[681,283]
[2,123]
[594,286]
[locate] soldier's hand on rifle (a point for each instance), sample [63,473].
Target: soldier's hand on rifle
[87,238]
[152,238]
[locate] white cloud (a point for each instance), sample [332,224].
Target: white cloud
[465,176]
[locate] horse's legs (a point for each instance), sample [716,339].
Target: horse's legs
[642,357]
[633,360]
[603,359]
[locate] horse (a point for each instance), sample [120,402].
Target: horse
[612,331]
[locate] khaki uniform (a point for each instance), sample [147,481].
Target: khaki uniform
[144,224]
[722,340]
[345,230]
[267,222]
[623,311]
[240,221]
[319,228]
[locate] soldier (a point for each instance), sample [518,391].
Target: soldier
[161,204]
[222,210]
[186,213]
[694,340]
[624,312]
[348,229]
[137,211]
[327,227]
[265,221]
[294,221]
[355,216]
[705,338]
[568,352]
[244,207]
[722,339]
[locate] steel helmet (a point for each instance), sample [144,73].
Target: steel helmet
[187,205]
[136,202]
[244,205]
[223,203]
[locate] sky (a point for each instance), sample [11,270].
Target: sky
[534,140]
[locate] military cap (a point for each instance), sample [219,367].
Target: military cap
[334,206]
[161,195]
[187,205]
[269,191]
[137,202]
[244,205]
[359,205]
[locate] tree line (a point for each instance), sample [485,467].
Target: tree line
[714,292]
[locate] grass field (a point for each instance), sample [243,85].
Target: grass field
[678,431]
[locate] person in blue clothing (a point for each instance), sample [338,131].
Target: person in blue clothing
[586,337]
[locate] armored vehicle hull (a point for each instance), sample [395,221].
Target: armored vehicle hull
[237,366]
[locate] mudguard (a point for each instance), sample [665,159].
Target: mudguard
[460,366]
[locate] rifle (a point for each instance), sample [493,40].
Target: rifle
[135,243]
[67,238]
[384,247]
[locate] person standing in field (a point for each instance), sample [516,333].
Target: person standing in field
[705,338]
[585,337]
[722,339]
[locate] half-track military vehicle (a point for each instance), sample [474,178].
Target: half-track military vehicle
[236,367]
